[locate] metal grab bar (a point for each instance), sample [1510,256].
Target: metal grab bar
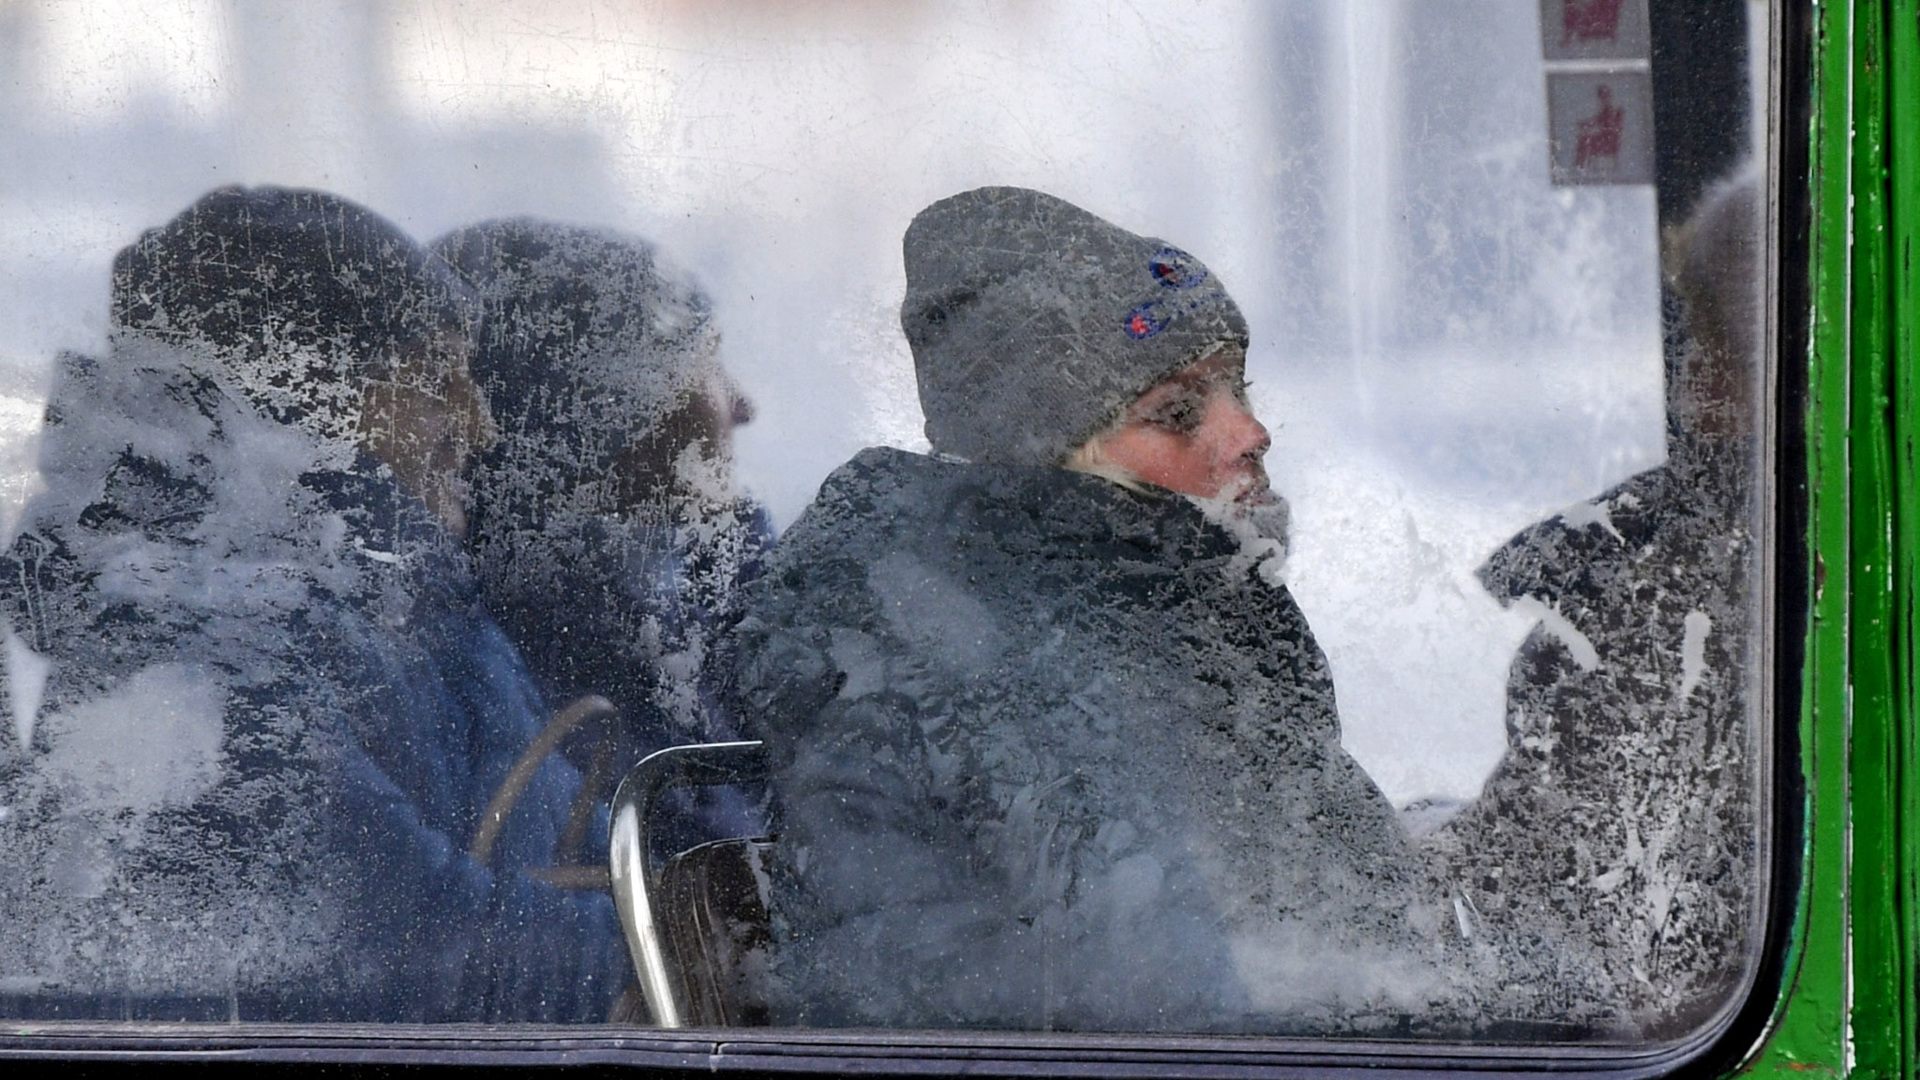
[518,777]
[635,889]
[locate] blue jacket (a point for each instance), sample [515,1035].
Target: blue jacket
[256,712]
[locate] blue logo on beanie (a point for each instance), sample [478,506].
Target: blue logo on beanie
[1176,269]
[1147,320]
[1173,269]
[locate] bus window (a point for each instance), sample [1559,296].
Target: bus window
[1248,521]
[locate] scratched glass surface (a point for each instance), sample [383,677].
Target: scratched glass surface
[380,378]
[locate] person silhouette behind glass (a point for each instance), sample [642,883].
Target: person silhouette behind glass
[256,708]
[1614,853]
[608,535]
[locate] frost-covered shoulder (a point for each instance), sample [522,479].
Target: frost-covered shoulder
[154,740]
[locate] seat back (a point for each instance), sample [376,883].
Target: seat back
[696,927]
[714,916]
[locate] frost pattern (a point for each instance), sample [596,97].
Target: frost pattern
[1054,755]
[607,534]
[1615,852]
[153,742]
[26,674]
[1027,727]
[149,576]
[271,708]
[1617,856]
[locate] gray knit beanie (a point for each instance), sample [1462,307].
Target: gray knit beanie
[1034,324]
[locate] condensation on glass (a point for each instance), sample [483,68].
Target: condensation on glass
[416,413]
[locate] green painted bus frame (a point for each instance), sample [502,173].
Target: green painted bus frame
[1848,1001]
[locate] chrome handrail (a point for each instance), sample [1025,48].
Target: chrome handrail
[630,867]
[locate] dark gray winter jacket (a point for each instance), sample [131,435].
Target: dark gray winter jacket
[1614,855]
[1049,754]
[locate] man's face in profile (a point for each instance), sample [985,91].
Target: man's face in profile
[1194,434]
[653,468]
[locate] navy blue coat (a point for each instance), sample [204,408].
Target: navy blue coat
[256,711]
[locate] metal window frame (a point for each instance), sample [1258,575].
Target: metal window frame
[1835,992]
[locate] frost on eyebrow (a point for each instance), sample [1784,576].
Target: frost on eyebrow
[1180,409]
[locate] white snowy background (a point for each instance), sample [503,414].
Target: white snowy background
[1446,347]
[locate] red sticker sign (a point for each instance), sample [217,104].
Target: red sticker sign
[1600,127]
[1594,29]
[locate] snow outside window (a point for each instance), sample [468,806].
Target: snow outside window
[381,379]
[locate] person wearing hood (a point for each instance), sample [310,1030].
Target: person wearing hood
[607,533]
[1051,747]
[256,709]
[1615,851]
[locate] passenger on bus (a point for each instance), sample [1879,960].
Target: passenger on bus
[256,706]
[1051,749]
[1614,851]
[608,535]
